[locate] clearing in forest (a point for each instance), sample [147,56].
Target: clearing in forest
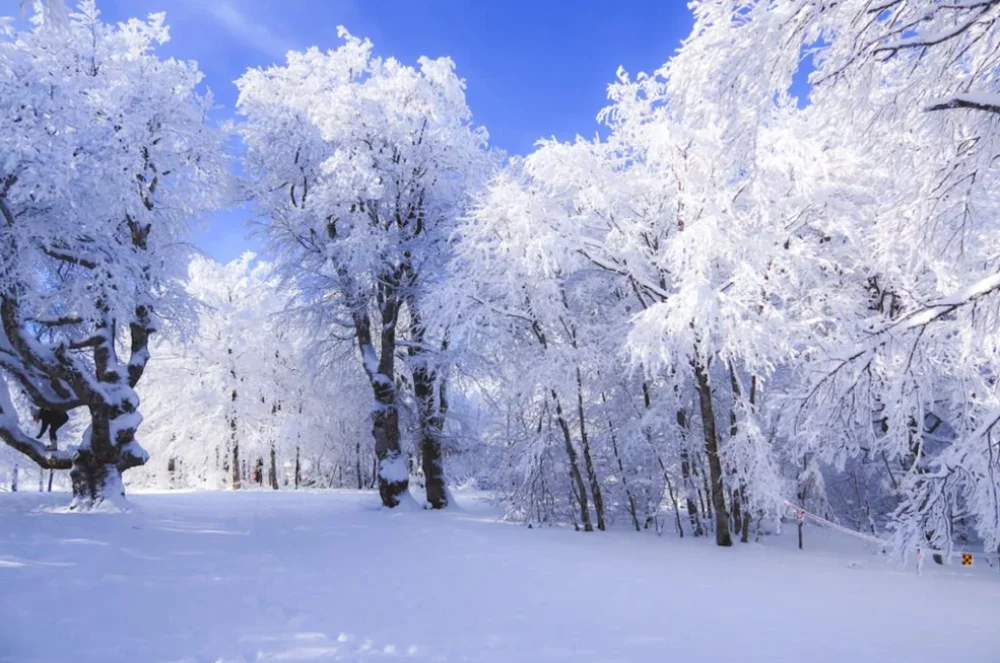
[328,576]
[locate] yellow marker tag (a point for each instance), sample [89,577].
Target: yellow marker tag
[966,559]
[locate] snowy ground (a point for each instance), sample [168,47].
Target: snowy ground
[213,577]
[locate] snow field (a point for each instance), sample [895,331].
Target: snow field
[329,576]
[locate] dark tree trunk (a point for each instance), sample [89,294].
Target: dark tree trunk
[734,501]
[235,444]
[93,480]
[357,468]
[432,409]
[272,470]
[236,456]
[53,446]
[391,474]
[802,494]
[595,484]
[109,449]
[718,490]
[574,468]
[298,468]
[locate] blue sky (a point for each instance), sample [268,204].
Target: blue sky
[534,68]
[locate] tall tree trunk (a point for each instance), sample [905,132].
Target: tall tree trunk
[109,446]
[574,468]
[718,489]
[272,471]
[298,468]
[595,484]
[93,480]
[357,468]
[233,441]
[98,464]
[429,389]
[236,454]
[392,475]
[430,453]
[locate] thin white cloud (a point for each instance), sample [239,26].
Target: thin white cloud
[242,26]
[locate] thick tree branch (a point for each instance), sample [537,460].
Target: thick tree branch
[971,102]
[49,459]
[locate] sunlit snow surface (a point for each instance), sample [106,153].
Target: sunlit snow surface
[260,576]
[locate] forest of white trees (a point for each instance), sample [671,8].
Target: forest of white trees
[731,300]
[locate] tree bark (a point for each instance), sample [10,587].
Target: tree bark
[357,467]
[236,454]
[98,464]
[272,471]
[574,468]
[109,446]
[233,441]
[298,468]
[392,476]
[595,485]
[429,389]
[704,388]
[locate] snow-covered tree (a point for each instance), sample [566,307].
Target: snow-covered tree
[107,158]
[360,167]
[901,362]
